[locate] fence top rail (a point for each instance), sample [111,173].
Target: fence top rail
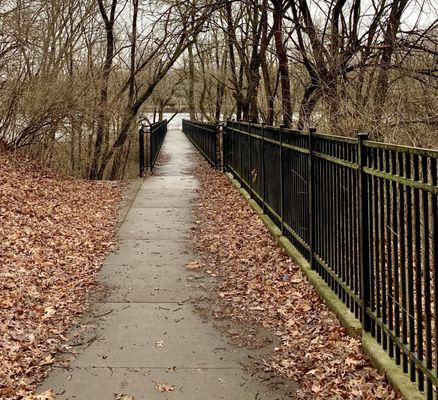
[198,122]
[433,153]
[284,131]
[301,133]
[157,125]
[336,138]
[202,125]
[402,149]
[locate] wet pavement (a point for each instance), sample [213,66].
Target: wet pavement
[145,336]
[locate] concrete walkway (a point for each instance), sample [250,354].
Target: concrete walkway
[147,329]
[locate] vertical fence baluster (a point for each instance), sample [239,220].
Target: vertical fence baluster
[404,267]
[350,241]
[330,215]
[363,233]
[141,149]
[343,222]
[150,139]
[409,265]
[394,207]
[311,200]
[263,169]
[418,272]
[389,249]
[373,237]
[427,275]
[380,242]
[249,159]
[434,240]
[336,216]
[281,179]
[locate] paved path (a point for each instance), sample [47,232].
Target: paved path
[147,328]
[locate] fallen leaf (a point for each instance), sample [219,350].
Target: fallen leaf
[47,395]
[193,265]
[123,397]
[164,387]
[54,234]
[259,285]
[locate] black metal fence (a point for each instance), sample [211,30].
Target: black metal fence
[155,134]
[205,139]
[365,216]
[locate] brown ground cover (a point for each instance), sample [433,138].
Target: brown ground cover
[260,284]
[54,234]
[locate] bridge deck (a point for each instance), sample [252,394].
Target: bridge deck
[149,329]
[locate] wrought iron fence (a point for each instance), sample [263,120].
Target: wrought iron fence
[365,216]
[205,139]
[155,134]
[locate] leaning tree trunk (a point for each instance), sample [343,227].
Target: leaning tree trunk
[118,154]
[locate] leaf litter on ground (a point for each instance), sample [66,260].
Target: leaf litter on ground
[54,234]
[259,284]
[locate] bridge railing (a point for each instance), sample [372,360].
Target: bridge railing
[205,138]
[365,216]
[149,151]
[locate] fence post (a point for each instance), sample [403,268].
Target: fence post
[240,170]
[263,168]
[249,158]
[226,147]
[141,148]
[219,149]
[311,199]
[149,141]
[282,126]
[364,260]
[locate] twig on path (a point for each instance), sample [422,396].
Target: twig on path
[89,343]
[104,314]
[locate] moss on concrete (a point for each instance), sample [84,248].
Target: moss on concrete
[379,358]
[347,319]
[385,364]
[257,209]
[245,194]
[272,228]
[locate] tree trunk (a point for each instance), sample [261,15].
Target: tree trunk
[103,99]
[115,170]
[311,96]
[191,94]
[131,112]
[390,35]
[220,87]
[283,65]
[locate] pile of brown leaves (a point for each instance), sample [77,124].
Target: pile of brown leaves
[54,234]
[260,284]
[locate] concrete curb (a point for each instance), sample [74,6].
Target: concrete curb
[378,357]
[386,365]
